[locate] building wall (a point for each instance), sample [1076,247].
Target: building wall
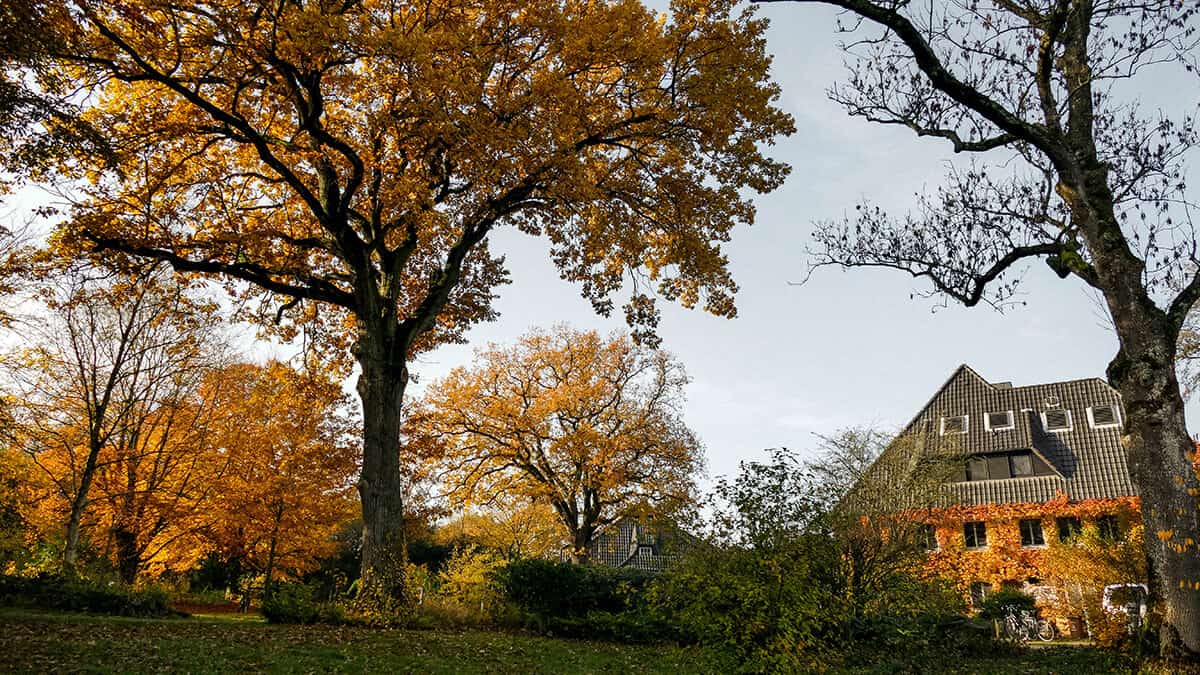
[1055,568]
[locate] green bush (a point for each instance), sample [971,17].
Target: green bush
[634,626]
[996,605]
[772,610]
[557,589]
[294,603]
[76,595]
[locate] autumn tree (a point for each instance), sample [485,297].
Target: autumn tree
[155,479]
[40,125]
[285,439]
[109,352]
[349,160]
[516,528]
[589,425]
[1067,167]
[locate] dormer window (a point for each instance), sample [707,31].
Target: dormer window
[954,425]
[999,421]
[1103,416]
[999,465]
[1058,419]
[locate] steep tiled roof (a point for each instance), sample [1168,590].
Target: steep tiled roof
[1084,462]
[638,543]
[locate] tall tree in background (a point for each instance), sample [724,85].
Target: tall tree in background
[515,527]
[108,354]
[349,161]
[588,425]
[154,480]
[1070,169]
[286,441]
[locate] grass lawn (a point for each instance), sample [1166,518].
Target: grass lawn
[44,642]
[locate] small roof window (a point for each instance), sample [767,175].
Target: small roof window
[954,425]
[1058,419]
[1101,416]
[999,421]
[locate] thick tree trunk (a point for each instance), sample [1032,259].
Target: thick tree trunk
[129,557]
[1160,460]
[1158,446]
[580,550]
[381,386]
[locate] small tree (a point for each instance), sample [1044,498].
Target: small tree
[588,425]
[285,438]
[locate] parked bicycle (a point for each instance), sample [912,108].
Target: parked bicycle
[1025,625]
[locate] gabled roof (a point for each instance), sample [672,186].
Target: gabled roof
[1086,463]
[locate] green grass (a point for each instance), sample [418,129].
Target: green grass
[43,641]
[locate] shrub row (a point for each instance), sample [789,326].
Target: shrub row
[75,595]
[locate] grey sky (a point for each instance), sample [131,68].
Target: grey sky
[847,348]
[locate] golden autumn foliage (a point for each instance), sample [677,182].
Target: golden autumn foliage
[283,439]
[346,162]
[1081,565]
[103,402]
[587,425]
[521,530]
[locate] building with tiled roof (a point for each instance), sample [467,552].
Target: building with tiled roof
[638,542]
[1030,467]
[1028,444]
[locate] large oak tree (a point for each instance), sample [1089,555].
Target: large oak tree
[351,158]
[1069,168]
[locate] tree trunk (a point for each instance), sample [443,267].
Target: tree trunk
[1160,455]
[78,504]
[580,553]
[381,386]
[271,551]
[129,558]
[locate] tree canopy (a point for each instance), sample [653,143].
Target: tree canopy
[570,419]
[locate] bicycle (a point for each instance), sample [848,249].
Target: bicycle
[1024,625]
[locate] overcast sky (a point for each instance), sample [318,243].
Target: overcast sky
[846,348]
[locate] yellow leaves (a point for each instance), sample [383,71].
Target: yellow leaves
[601,124]
[565,418]
[1164,535]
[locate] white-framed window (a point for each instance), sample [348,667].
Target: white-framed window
[1056,420]
[975,535]
[1104,416]
[999,421]
[928,537]
[955,425]
[1031,533]
[980,590]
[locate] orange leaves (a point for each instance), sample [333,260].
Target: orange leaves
[569,419]
[285,441]
[1088,559]
[329,136]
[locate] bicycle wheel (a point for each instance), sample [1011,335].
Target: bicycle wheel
[1045,630]
[1012,628]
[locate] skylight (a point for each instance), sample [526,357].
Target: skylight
[1103,416]
[999,421]
[1058,419]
